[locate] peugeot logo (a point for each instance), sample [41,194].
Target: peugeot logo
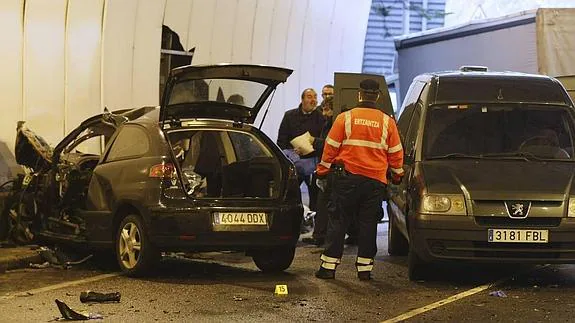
[517,209]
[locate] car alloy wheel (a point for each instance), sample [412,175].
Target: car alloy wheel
[135,253]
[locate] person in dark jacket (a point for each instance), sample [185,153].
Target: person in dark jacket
[298,121]
[320,218]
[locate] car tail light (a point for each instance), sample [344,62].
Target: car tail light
[164,170]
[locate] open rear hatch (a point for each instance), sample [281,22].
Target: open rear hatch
[224,91]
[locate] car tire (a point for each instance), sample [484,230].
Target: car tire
[135,253]
[397,244]
[274,260]
[417,268]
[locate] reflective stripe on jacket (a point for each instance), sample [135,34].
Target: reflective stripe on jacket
[366,141]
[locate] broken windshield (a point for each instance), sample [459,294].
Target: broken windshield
[502,131]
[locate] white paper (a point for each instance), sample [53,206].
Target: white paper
[303,143]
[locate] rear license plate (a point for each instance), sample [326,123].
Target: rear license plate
[518,235]
[235,218]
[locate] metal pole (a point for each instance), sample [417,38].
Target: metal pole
[406,17]
[424,17]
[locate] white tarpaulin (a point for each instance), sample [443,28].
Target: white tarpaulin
[556,41]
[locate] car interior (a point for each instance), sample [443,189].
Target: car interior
[217,163]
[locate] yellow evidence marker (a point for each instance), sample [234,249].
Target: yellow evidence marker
[281,290]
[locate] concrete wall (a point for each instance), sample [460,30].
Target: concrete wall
[65,60]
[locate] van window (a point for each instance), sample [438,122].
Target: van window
[409,126]
[411,136]
[498,89]
[411,97]
[499,130]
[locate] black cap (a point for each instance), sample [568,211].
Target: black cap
[369,85]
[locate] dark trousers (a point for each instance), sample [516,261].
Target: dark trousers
[312,189]
[353,198]
[320,219]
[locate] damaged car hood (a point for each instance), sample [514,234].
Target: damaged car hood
[33,151]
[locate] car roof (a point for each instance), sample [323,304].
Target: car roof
[491,86]
[486,75]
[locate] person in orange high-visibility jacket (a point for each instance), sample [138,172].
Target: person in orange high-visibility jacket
[362,145]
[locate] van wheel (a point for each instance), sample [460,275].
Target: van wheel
[274,260]
[397,244]
[417,268]
[135,253]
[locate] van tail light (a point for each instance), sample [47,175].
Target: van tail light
[164,170]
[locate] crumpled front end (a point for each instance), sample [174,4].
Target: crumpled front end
[32,150]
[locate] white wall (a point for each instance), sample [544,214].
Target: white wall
[68,59]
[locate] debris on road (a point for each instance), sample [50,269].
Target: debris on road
[498,293]
[57,259]
[70,314]
[96,297]
[40,266]
[237,298]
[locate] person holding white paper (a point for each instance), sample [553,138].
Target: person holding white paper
[300,124]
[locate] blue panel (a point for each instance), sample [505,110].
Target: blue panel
[379,49]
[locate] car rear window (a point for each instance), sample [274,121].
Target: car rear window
[498,129]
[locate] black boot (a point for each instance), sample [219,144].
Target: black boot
[323,273]
[315,241]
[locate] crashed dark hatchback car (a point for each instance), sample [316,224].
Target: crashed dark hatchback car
[490,168]
[190,175]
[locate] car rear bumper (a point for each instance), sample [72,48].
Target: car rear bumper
[445,238]
[225,241]
[189,230]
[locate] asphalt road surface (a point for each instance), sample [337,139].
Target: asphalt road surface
[226,287]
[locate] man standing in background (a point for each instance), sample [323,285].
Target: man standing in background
[296,122]
[320,218]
